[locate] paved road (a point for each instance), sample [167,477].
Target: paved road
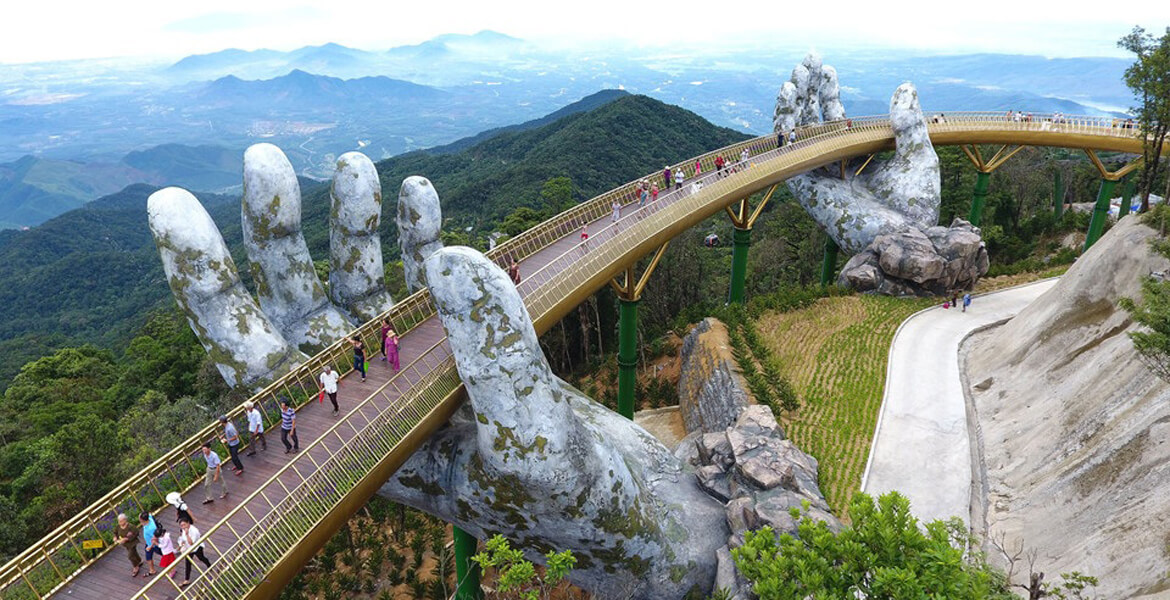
[921,447]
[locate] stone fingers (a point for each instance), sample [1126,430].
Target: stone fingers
[287,285]
[247,349]
[356,274]
[911,177]
[830,95]
[523,416]
[419,219]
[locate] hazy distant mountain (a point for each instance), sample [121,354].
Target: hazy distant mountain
[451,45]
[223,60]
[35,189]
[305,92]
[205,168]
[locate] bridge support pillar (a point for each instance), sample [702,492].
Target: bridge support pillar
[983,178]
[741,238]
[741,241]
[979,198]
[1058,195]
[1109,181]
[1100,212]
[629,291]
[1127,192]
[829,264]
[466,571]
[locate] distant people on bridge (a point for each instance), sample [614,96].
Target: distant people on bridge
[127,535]
[743,158]
[385,328]
[643,194]
[584,231]
[328,379]
[966,301]
[616,207]
[514,271]
[181,512]
[288,427]
[719,162]
[791,136]
[255,428]
[779,139]
[678,178]
[165,547]
[149,528]
[231,439]
[191,544]
[666,177]
[698,167]
[392,336]
[213,474]
[654,192]
[359,356]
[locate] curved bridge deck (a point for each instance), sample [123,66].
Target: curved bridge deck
[284,508]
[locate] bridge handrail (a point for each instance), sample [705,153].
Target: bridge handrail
[176,468]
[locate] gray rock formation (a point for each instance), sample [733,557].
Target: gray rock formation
[251,346]
[286,283]
[356,275]
[889,197]
[419,222]
[917,262]
[533,458]
[244,344]
[1072,426]
[711,388]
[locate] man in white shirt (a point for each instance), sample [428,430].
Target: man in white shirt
[329,385]
[255,428]
[212,475]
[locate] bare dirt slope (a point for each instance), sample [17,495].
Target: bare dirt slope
[1073,429]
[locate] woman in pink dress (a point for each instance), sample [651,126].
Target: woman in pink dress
[698,168]
[392,348]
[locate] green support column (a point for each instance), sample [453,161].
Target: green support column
[1100,212]
[829,265]
[982,179]
[627,356]
[1126,197]
[1058,196]
[741,240]
[466,571]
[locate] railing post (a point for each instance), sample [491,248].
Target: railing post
[829,264]
[1100,212]
[627,355]
[1058,195]
[466,571]
[982,178]
[741,240]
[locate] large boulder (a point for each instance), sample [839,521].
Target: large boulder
[916,262]
[711,387]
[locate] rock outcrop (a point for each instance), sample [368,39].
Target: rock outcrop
[711,387]
[933,261]
[1071,426]
[897,199]
[419,221]
[356,275]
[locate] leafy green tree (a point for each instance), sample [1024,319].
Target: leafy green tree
[58,389]
[518,578]
[1153,342]
[885,554]
[1149,79]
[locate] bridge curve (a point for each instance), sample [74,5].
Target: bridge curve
[260,543]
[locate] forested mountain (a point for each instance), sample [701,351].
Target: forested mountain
[92,275]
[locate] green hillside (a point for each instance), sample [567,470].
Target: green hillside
[92,275]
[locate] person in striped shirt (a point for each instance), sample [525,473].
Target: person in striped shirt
[288,427]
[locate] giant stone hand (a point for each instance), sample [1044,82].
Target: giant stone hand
[886,216]
[531,457]
[252,344]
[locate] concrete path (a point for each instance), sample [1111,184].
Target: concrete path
[921,447]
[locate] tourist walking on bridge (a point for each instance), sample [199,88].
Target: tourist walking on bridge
[149,528]
[328,380]
[191,544]
[514,272]
[181,512]
[359,356]
[166,548]
[231,439]
[678,178]
[255,428]
[666,177]
[698,167]
[127,535]
[392,337]
[743,159]
[213,474]
[288,427]
[385,328]
[719,162]
[654,192]
[617,211]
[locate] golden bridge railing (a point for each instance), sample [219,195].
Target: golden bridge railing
[58,557]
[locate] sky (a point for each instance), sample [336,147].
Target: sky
[78,29]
